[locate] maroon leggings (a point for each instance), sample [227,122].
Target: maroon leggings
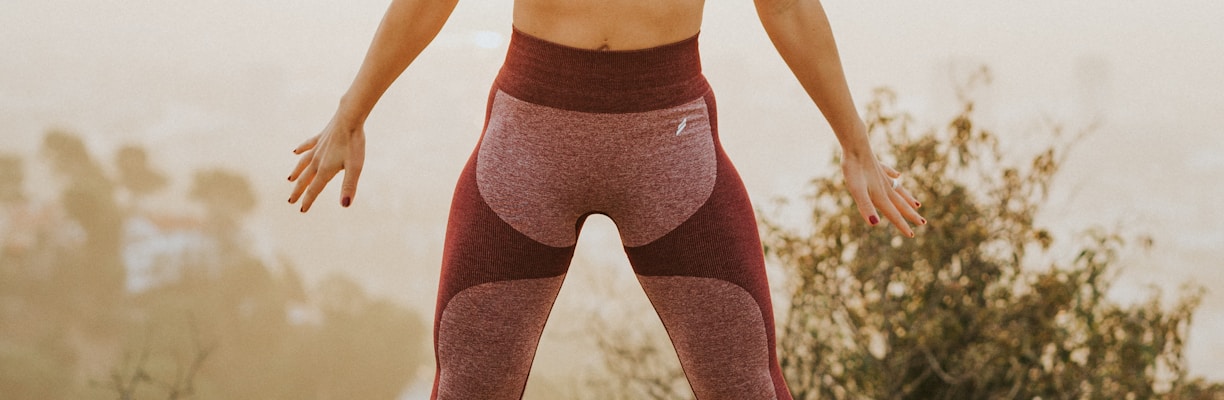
[631,135]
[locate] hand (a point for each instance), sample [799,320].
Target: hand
[341,146]
[872,186]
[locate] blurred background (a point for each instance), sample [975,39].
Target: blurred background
[151,140]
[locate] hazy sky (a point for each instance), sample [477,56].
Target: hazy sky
[239,83]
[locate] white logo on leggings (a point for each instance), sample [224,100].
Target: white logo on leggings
[683,123]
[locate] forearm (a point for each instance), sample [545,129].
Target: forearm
[800,30]
[407,27]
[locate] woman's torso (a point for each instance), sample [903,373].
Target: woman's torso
[609,24]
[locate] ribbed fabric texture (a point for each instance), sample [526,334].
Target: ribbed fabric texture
[553,75]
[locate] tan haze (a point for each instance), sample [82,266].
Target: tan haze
[150,140]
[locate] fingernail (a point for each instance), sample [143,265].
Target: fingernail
[345,201]
[873,220]
[290,200]
[924,221]
[917,204]
[303,209]
[290,178]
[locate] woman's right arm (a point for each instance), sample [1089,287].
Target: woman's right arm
[407,27]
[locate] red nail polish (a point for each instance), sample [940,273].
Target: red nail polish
[924,221]
[917,204]
[346,201]
[873,220]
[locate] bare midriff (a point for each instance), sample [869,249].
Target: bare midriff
[609,24]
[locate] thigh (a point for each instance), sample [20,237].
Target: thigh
[706,279]
[496,290]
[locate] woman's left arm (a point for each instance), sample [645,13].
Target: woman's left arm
[800,31]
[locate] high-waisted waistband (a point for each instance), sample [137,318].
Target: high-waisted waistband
[618,81]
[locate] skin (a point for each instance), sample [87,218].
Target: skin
[799,30]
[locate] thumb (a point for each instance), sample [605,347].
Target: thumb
[892,173]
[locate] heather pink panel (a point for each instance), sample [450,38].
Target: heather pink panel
[488,335]
[719,335]
[541,168]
